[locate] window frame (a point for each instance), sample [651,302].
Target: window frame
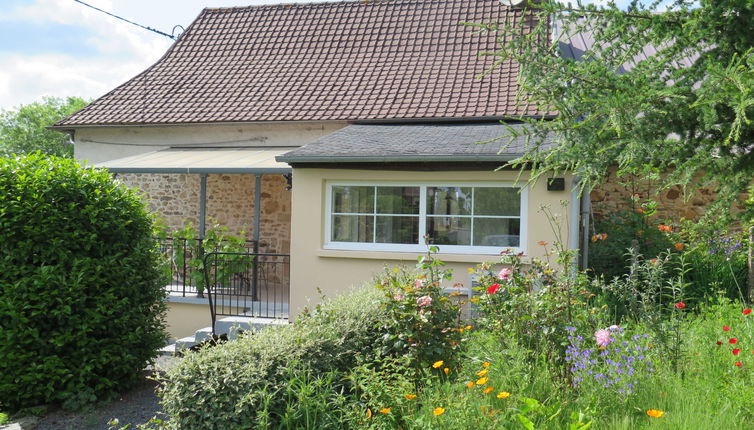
[421,246]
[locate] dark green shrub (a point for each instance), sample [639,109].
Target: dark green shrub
[243,384]
[81,295]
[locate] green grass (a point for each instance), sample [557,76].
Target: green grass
[707,392]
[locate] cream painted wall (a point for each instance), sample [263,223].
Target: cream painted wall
[183,319]
[334,271]
[97,144]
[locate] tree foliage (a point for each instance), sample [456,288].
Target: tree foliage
[657,91]
[23,130]
[81,286]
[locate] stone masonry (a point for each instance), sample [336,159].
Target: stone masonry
[615,194]
[230,202]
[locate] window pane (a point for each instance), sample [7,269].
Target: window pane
[497,201]
[398,200]
[353,199]
[352,228]
[398,229]
[449,230]
[501,232]
[449,200]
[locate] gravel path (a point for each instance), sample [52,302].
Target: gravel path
[136,406]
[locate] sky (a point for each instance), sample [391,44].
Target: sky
[62,48]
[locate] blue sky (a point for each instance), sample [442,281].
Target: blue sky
[61,48]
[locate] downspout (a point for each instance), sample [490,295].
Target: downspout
[586,210]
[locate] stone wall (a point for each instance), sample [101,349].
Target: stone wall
[230,201]
[615,194]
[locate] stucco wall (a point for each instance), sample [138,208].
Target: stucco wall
[230,201]
[97,144]
[334,271]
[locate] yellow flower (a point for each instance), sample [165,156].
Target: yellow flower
[655,413]
[369,413]
[385,410]
[446,370]
[481,372]
[460,330]
[438,411]
[470,384]
[410,396]
[503,395]
[438,364]
[487,390]
[482,381]
[468,327]
[486,364]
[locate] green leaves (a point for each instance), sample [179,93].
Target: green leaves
[24,130]
[650,90]
[81,294]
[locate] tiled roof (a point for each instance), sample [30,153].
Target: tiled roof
[365,60]
[419,142]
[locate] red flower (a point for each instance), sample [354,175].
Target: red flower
[746,311]
[736,351]
[493,288]
[680,305]
[739,364]
[732,340]
[718,343]
[726,328]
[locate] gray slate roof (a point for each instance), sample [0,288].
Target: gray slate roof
[410,142]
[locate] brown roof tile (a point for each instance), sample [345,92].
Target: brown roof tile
[383,59]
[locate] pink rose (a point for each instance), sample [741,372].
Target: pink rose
[602,337]
[505,274]
[424,301]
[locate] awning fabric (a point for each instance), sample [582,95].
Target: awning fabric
[191,160]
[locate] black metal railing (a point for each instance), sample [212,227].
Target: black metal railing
[247,284]
[184,260]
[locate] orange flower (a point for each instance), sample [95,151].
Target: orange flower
[679,246]
[446,370]
[486,364]
[487,390]
[385,410]
[482,372]
[665,228]
[369,413]
[503,395]
[542,243]
[438,411]
[655,413]
[470,384]
[410,396]
[482,381]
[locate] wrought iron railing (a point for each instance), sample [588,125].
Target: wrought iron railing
[184,260]
[247,284]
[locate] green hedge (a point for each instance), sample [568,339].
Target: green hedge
[81,294]
[240,384]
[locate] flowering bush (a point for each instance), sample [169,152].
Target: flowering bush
[611,362]
[422,323]
[530,304]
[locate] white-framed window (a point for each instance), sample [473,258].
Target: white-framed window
[459,217]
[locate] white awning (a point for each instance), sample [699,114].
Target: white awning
[204,160]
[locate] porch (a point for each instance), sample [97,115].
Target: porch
[243,188]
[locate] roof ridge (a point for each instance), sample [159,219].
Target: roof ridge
[315,4]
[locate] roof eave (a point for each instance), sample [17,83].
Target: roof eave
[395,158]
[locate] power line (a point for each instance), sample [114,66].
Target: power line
[124,19]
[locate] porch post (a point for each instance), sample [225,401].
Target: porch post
[257,209]
[203,206]
[257,223]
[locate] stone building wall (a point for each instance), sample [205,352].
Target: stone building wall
[615,194]
[230,202]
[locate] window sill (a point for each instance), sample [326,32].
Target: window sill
[409,256]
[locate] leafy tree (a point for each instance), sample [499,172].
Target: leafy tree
[658,91]
[24,130]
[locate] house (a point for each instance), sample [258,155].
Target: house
[344,134]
